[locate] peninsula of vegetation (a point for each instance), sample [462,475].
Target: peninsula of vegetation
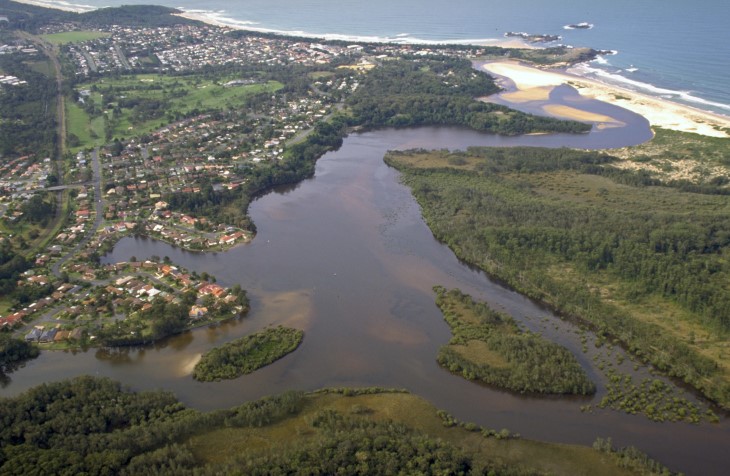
[598,240]
[488,346]
[71,427]
[247,354]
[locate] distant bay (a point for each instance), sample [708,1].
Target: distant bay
[676,50]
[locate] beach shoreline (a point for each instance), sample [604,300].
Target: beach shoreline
[66,7]
[530,83]
[248,26]
[525,83]
[212,20]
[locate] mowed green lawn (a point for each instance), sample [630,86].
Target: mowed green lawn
[74,37]
[179,95]
[90,131]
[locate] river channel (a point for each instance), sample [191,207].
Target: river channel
[346,257]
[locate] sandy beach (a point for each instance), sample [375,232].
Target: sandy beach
[210,20]
[57,5]
[527,83]
[531,83]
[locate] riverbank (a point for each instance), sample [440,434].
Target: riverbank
[526,83]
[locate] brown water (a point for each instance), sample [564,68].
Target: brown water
[346,257]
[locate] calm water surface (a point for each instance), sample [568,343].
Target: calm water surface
[346,257]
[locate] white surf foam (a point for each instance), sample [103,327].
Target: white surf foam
[639,86]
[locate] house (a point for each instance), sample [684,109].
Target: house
[48,335]
[196,312]
[211,288]
[64,288]
[40,280]
[61,335]
[188,220]
[34,335]
[11,320]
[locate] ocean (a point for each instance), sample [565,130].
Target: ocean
[675,49]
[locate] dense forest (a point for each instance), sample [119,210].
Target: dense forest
[249,353]
[11,265]
[95,426]
[489,346]
[31,17]
[569,229]
[27,112]
[417,92]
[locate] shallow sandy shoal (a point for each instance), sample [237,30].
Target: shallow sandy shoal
[529,94]
[659,112]
[567,112]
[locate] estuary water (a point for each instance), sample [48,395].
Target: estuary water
[346,257]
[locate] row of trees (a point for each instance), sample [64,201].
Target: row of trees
[12,264]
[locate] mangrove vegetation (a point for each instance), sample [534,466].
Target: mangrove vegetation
[488,346]
[249,353]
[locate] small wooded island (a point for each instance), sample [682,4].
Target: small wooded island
[489,346]
[249,353]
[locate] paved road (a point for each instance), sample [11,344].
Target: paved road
[99,218]
[122,58]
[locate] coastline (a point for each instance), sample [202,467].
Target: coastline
[58,5]
[525,83]
[249,26]
[531,83]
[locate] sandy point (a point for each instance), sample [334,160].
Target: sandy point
[533,82]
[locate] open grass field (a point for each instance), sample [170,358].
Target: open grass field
[43,67]
[90,131]
[139,104]
[74,37]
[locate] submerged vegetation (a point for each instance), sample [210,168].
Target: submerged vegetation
[94,426]
[638,258]
[651,397]
[249,353]
[488,346]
